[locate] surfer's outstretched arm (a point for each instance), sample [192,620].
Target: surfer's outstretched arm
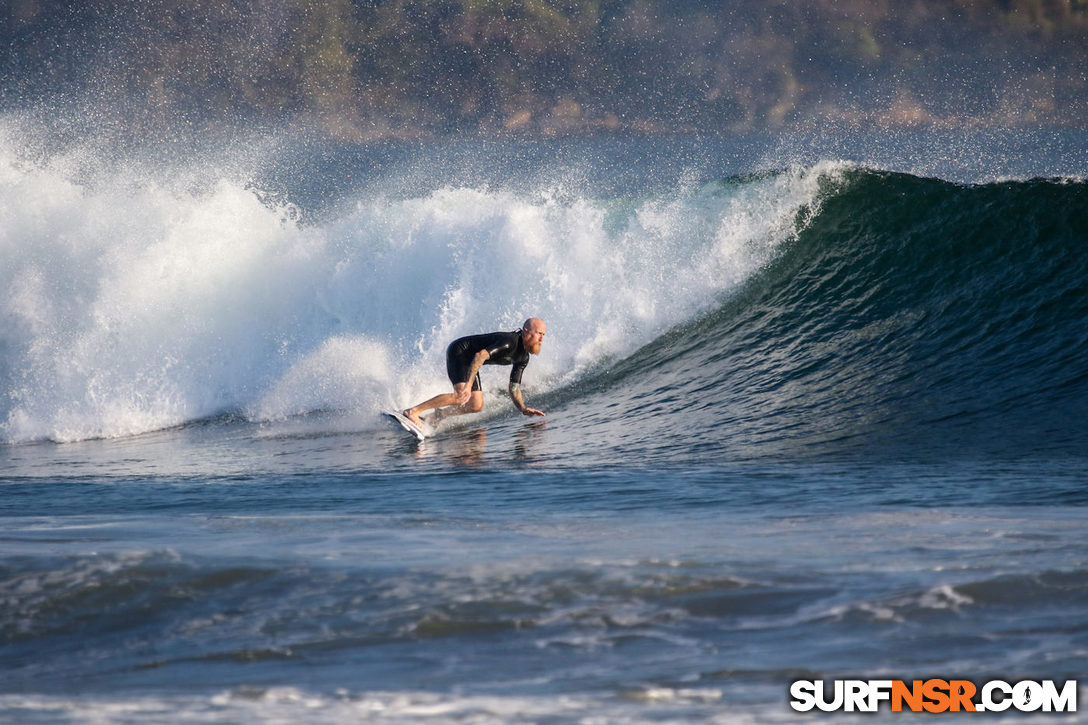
[515,395]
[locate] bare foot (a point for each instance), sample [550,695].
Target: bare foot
[414,417]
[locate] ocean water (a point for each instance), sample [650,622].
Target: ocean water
[816,410]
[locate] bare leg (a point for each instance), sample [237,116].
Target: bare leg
[439,401]
[474,405]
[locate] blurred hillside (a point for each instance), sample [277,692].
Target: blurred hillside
[359,69]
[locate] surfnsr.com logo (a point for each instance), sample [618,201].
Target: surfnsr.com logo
[934,695]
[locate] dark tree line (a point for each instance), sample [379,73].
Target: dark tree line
[367,68]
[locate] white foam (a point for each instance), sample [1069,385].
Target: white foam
[139,301]
[343,373]
[286,704]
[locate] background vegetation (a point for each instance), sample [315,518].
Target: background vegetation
[362,69]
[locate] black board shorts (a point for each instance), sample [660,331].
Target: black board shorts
[459,363]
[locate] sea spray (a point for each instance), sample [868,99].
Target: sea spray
[138,302]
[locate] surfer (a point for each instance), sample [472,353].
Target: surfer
[464,358]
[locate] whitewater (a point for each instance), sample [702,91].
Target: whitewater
[815,410]
[135,303]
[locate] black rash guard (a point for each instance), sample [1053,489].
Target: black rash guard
[505,348]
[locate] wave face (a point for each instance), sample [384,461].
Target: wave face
[827,308]
[910,316]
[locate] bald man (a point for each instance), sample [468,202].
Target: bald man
[464,358]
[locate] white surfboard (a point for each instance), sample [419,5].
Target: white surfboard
[406,424]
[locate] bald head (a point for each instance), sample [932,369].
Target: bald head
[532,334]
